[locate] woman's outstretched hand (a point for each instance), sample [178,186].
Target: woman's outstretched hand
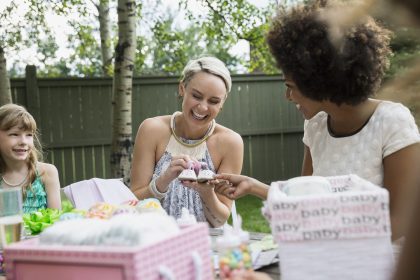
[233,186]
[236,186]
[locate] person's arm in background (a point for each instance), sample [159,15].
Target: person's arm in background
[402,180]
[237,186]
[407,265]
[307,168]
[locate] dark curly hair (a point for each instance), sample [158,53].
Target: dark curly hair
[350,72]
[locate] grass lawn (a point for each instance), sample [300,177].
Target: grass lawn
[249,207]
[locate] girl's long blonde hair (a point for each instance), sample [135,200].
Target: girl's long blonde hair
[12,115]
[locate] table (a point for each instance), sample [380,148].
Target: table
[272,270]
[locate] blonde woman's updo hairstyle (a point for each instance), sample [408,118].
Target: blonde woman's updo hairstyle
[12,115]
[210,65]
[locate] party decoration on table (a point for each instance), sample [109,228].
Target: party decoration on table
[234,253]
[149,205]
[124,209]
[307,185]
[101,210]
[37,221]
[84,194]
[186,219]
[265,244]
[185,252]
[120,230]
[71,216]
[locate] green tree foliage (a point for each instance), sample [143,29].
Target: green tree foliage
[86,52]
[20,27]
[165,47]
[406,47]
[230,21]
[84,42]
[172,48]
[169,47]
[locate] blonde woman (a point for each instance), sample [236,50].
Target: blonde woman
[164,146]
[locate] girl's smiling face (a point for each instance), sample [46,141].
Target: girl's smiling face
[203,97]
[308,107]
[16,143]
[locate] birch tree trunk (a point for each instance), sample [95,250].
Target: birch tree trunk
[105,33]
[122,144]
[5,93]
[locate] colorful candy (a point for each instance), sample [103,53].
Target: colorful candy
[101,210]
[234,254]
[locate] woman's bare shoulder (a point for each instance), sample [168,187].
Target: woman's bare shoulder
[155,125]
[156,122]
[227,136]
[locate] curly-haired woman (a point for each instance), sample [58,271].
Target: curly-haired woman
[331,80]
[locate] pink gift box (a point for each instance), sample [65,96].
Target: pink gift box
[186,255]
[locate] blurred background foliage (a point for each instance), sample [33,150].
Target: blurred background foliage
[233,30]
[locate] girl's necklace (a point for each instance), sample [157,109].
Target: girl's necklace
[15,185]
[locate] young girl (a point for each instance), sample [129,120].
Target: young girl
[346,131]
[19,165]
[165,144]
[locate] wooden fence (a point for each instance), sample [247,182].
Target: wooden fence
[74,116]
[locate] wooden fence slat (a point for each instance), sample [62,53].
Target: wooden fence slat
[32,94]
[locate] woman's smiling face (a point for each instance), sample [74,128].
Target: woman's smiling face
[308,107]
[203,97]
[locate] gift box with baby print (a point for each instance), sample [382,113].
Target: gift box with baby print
[331,228]
[185,255]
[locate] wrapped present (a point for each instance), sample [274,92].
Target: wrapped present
[185,255]
[340,232]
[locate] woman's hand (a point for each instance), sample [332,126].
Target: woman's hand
[232,186]
[202,188]
[236,186]
[176,166]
